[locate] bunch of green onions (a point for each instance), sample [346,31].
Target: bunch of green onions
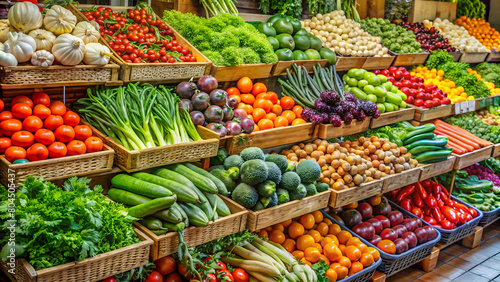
[138,116]
[215,7]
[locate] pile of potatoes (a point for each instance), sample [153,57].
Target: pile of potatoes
[348,164]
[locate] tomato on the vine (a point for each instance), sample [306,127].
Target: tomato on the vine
[210,278]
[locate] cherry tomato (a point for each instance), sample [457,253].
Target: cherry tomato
[37,152]
[96,13]
[45,136]
[52,122]
[225,275]
[110,279]
[183,271]
[22,99]
[71,118]
[41,111]
[155,276]
[5,115]
[10,126]
[57,108]
[15,153]
[5,143]
[41,98]
[165,265]
[65,133]
[21,110]
[210,278]
[57,150]
[32,123]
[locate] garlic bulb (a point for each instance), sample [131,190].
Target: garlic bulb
[86,32]
[42,58]
[59,20]
[25,16]
[44,39]
[21,46]
[6,58]
[69,50]
[96,54]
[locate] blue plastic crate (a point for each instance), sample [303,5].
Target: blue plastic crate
[489,216]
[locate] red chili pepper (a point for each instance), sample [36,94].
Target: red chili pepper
[417,201]
[436,213]
[417,211]
[421,191]
[450,214]
[448,202]
[440,203]
[436,190]
[426,210]
[405,192]
[461,207]
[473,212]
[462,218]
[431,202]
[426,183]
[394,193]
[444,196]
[447,224]
[430,220]
[444,190]
[437,225]
[469,217]
[406,204]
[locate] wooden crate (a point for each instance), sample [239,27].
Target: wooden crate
[347,63]
[474,57]
[398,180]
[135,160]
[370,9]
[473,157]
[151,72]
[281,67]
[429,10]
[435,169]
[351,195]
[393,117]
[496,150]
[167,244]
[456,56]
[493,57]
[409,59]
[432,113]
[378,63]
[327,131]
[58,168]
[254,71]
[90,269]
[267,217]
[430,262]
[272,137]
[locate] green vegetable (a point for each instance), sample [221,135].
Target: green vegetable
[245,195]
[283,196]
[489,72]
[290,180]
[224,176]
[221,188]
[221,206]
[258,207]
[422,149]
[472,123]
[422,136]
[298,193]
[197,179]
[436,142]
[274,172]
[280,160]
[474,9]
[152,206]
[126,197]
[177,177]
[171,215]
[196,216]
[252,153]
[221,167]
[233,161]
[151,223]
[253,172]
[310,189]
[266,188]
[433,155]
[308,171]
[273,200]
[141,187]
[398,39]
[183,193]
[322,187]
[219,159]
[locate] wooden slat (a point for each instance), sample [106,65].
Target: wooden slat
[473,157]
[347,63]
[474,57]
[327,131]
[435,169]
[430,10]
[432,113]
[351,195]
[409,59]
[393,117]
[398,180]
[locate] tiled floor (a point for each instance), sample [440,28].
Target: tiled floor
[461,264]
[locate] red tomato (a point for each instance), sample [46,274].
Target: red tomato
[5,115]
[165,265]
[5,143]
[76,147]
[57,108]
[40,98]
[45,136]
[210,278]
[65,133]
[155,276]
[10,126]
[22,99]
[183,271]
[22,139]
[57,150]
[110,279]
[32,123]
[52,122]
[82,132]
[240,275]
[173,277]
[21,110]
[221,265]
[1,105]
[225,275]
[37,152]
[41,111]
[15,153]
[71,118]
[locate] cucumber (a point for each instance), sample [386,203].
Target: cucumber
[358,93]
[216,216]
[199,180]
[428,127]
[436,142]
[220,185]
[174,227]
[151,223]
[170,215]
[126,197]
[152,206]
[422,149]
[423,136]
[183,193]
[177,177]
[160,232]
[430,156]
[196,216]
[221,207]
[393,98]
[137,186]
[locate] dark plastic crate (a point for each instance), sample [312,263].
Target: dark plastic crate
[489,217]
[393,263]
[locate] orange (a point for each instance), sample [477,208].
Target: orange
[287,103]
[351,252]
[332,252]
[355,268]
[334,238]
[334,229]
[278,227]
[315,234]
[322,228]
[289,245]
[374,252]
[271,116]
[318,216]
[342,272]
[277,110]
[312,254]
[262,233]
[334,266]
[362,247]
[280,122]
[269,105]
[265,124]
[263,104]
[286,223]
[344,236]
[327,221]
[298,254]
[304,260]
[258,88]
[331,275]
[387,246]
[245,85]
[295,230]
[277,236]
[322,257]
[297,110]
[247,98]
[258,114]
[304,242]
[298,121]
[345,261]
[326,240]
[366,259]
[273,97]
[307,220]
[233,91]
[237,97]
[290,116]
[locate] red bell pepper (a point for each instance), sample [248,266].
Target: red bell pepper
[417,211]
[436,213]
[405,192]
[394,193]
[426,183]
[421,191]
[417,201]
[431,202]
[406,204]
[450,214]
[430,220]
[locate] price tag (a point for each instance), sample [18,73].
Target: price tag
[464,107]
[472,106]
[457,108]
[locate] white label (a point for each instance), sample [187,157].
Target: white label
[457,108]
[465,107]
[472,106]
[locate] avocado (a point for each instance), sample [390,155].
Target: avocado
[295,23]
[274,42]
[286,41]
[316,43]
[274,18]
[301,31]
[299,55]
[302,42]
[313,54]
[329,55]
[284,54]
[267,29]
[283,26]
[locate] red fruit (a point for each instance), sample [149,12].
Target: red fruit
[375,240]
[398,74]
[427,96]
[386,223]
[401,246]
[410,100]
[406,75]
[419,102]
[420,95]
[400,229]
[406,83]
[386,73]
[376,72]
[391,79]
[388,234]
[365,230]
[365,210]
[398,84]
[396,217]
[377,224]
[410,239]
[445,101]
[405,90]
[428,104]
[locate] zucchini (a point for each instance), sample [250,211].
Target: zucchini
[159,232]
[152,206]
[151,223]
[430,156]
[428,127]
[196,216]
[199,180]
[170,215]
[177,177]
[137,186]
[126,197]
[220,185]
[174,227]
[422,149]
[436,142]
[221,206]
[183,193]
[393,98]
[423,136]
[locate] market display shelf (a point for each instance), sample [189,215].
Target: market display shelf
[496,150]
[474,57]
[254,71]
[456,55]
[435,169]
[328,131]
[493,57]
[422,115]
[347,63]
[473,157]
[280,67]
[350,195]
[398,180]
[409,59]
[378,63]
[393,117]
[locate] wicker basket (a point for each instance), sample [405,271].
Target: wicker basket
[59,168]
[155,72]
[167,244]
[91,269]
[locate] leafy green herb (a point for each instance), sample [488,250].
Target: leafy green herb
[320,268]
